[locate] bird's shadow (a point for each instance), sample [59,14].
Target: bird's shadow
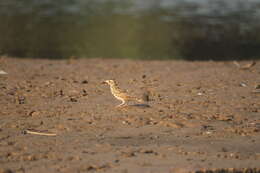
[140,105]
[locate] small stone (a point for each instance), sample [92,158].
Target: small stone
[84,82]
[84,93]
[6,171]
[3,72]
[34,113]
[257,86]
[242,84]
[61,93]
[73,99]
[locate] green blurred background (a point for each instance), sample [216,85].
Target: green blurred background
[155,29]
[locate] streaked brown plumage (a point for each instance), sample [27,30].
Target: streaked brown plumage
[120,94]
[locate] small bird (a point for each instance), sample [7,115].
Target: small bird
[120,94]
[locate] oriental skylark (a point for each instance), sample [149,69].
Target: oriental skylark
[120,94]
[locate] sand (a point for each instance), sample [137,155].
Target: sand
[197,116]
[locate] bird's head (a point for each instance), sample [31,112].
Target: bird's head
[110,82]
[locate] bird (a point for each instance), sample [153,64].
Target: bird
[120,94]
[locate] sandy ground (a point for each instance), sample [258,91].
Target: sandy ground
[197,116]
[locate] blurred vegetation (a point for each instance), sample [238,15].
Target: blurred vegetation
[116,29]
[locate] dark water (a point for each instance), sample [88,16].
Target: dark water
[161,29]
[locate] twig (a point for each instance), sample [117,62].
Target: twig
[248,66]
[244,67]
[38,133]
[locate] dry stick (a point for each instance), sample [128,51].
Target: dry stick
[245,67]
[39,133]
